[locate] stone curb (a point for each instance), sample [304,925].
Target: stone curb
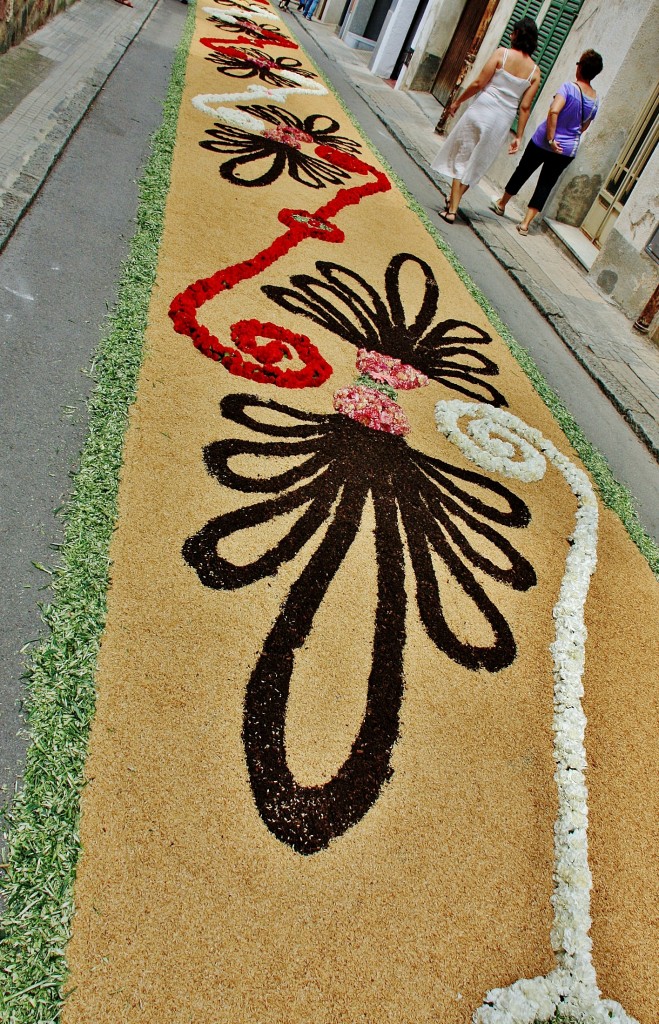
[18,199]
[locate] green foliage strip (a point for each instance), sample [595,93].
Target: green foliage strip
[43,822]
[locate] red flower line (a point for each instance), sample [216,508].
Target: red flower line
[300,225]
[231,51]
[262,37]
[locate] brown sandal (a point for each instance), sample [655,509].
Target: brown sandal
[447,216]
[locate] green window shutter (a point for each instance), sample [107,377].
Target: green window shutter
[552,33]
[522,9]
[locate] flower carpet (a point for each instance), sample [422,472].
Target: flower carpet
[373,735]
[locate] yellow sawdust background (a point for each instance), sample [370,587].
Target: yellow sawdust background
[188,909]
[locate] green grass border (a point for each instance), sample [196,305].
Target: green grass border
[43,841]
[614,495]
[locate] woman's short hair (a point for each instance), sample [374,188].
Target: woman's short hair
[524,36]
[590,64]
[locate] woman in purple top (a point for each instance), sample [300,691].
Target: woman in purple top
[556,140]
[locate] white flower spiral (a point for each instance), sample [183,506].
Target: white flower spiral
[494,439]
[499,442]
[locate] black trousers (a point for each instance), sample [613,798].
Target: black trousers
[552,164]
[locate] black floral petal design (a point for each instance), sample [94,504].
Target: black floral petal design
[267,157]
[343,302]
[321,127]
[253,63]
[232,4]
[422,505]
[244,27]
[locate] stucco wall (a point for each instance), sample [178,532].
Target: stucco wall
[623,269]
[625,33]
[330,13]
[435,34]
[392,37]
[20,17]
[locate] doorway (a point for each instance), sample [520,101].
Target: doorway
[376,19]
[458,49]
[405,51]
[625,173]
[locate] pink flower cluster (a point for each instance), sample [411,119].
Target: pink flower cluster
[390,371]
[257,62]
[372,409]
[287,134]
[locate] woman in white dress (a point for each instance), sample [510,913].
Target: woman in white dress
[507,85]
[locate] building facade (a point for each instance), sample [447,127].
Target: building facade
[610,192]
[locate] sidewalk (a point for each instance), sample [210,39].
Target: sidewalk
[624,364]
[48,82]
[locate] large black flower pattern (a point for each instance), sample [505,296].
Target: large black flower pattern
[343,302]
[233,4]
[253,63]
[422,506]
[279,149]
[244,27]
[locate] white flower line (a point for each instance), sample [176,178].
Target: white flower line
[240,118]
[280,94]
[232,14]
[571,987]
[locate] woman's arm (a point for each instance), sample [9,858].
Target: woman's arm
[478,83]
[552,121]
[524,111]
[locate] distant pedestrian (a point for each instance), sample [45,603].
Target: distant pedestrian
[555,142]
[507,84]
[309,8]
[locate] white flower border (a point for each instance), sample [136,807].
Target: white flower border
[240,118]
[231,14]
[501,443]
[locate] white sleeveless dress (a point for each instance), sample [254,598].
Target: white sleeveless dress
[473,145]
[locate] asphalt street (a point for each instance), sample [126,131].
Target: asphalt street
[59,275]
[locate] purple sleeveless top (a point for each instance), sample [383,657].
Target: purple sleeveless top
[570,119]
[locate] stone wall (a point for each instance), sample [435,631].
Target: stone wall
[20,17]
